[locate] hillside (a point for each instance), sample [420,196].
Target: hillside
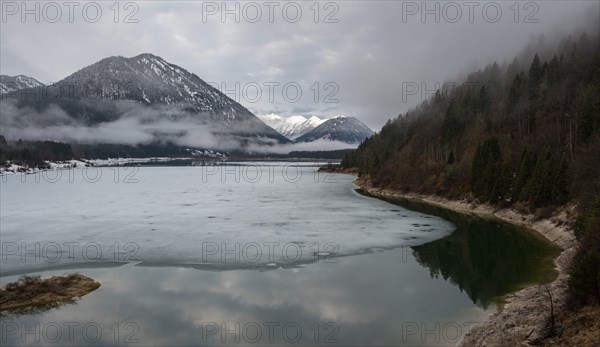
[524,135]
[499,135]
[161,102]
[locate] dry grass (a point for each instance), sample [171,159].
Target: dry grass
[580,328]
[33,291]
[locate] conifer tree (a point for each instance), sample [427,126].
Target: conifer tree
[535,78]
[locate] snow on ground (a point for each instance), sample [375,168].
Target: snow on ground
[13,168]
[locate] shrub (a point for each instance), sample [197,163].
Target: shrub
[585,268]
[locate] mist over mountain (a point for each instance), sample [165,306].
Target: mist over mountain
[13,83]
[519,133]
[142,99]
[343,129]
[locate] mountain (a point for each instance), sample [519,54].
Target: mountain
[13,83]
[341,128]
[149,89]
[291,127]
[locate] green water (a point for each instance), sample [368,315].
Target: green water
[486,258]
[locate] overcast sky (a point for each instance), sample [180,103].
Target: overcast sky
[349,57]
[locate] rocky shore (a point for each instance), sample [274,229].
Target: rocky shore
[524,317]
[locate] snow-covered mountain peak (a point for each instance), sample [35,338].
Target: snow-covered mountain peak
[340,128]
[10,84]
[316,121]
[293,126]
[151,80]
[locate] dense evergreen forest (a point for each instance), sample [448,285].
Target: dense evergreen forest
[36,153]
[524,134]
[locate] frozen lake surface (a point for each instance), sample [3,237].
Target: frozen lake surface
[217,216]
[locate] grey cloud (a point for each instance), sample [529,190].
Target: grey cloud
[137,125]
[369,53]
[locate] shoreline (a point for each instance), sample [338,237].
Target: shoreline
[13,168]
[522,318]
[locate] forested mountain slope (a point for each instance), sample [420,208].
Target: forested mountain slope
[526,134]
[505,134]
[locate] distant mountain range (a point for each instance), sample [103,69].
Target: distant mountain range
[341,128]
[301,129]
[291,127]
[13,83]
[157,102]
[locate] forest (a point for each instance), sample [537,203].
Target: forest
[35,154]
[522,134]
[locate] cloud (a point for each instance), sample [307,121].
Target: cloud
[141,124]
[319,145]
[368,50]
[138,125]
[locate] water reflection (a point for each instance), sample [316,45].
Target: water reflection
[370,299]
[486,258]
[35,310]
[424,295]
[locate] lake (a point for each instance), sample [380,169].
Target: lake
[252,253]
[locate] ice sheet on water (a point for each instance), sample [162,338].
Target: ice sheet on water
[221,217]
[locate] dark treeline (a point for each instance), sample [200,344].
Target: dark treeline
[333,154]
[36,153]
[525,134]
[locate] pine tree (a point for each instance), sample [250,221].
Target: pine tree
[451,158]
[485,169]
[526,166]
[484,100]
[560,183]
[553,71]
[589,118]
[514,94]
[438,97]
[535,78]
[452,125]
